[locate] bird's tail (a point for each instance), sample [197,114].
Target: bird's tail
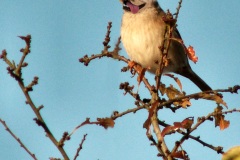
[196,80]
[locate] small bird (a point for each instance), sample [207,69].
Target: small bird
[142,32]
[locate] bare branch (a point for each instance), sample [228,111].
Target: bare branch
[18,140]
[80,147]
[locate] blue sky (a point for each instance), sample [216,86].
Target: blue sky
[64,31]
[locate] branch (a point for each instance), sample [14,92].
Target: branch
[161,145]
[104,122]
[178,9]
[16,72]
[192,137]
[80,147]
[209,95]
[133,110]
[18,140]
[114,55]
[200,121]
[169,29]
[164,48]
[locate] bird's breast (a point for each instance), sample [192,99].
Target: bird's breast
[141,37]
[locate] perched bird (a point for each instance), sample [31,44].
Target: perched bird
[142,32]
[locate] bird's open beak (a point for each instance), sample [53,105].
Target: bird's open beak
[128,6]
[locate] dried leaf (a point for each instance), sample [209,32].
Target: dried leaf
[185,103]
[141,75]
[141,71]
[173,92]
[191,54]
[163,89]
[187,123]
[147,123]
[218,109]
[170,91]
[176,80]
[106,122]
[180,154]
[223,123]
[214,97]
[168,130]
[219,119]
[131,64]
[177,125]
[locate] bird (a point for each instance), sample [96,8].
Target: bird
[142,32]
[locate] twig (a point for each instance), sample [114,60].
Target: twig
[104,122]
[178,9]
[18,140]
[167,38]
[80,147]
[87,121]
[165,46]
[218,148]
[133,110]
[107,37]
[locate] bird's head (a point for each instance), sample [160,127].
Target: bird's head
[136,6]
